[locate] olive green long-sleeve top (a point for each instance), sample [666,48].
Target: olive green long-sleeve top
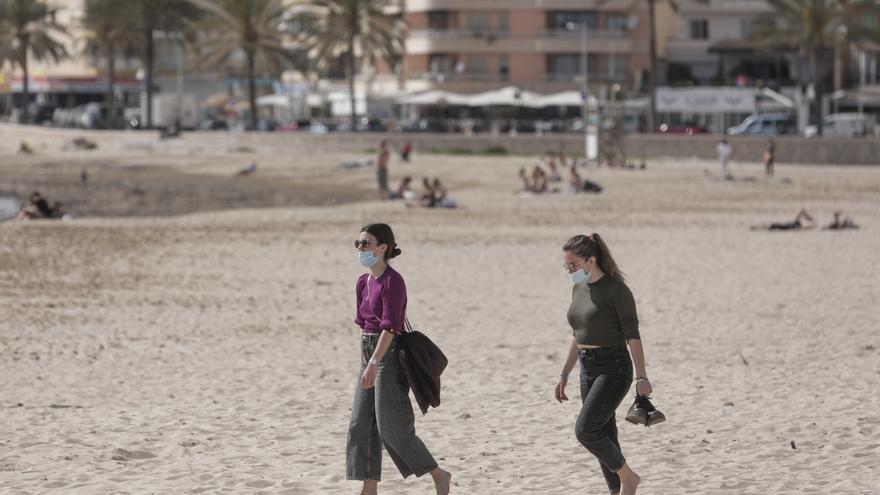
[603,313]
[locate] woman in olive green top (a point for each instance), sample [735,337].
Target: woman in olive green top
[603,319]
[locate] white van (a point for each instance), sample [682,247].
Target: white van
[845,125]
[767,124]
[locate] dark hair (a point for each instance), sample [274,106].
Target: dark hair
[383,234]
[586,246]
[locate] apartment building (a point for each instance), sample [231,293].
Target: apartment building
[540,45]
[712,45]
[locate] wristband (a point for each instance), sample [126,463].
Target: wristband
[642,379]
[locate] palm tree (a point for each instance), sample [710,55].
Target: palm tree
[32,31]
[815,27]
[174,16]
[361,31]
[109,31]
[254,27]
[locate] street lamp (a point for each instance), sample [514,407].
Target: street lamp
[585,111]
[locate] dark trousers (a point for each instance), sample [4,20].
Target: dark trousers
[383,415]
[606,375]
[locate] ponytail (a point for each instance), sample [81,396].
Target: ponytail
[587,246]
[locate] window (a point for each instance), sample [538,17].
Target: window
[746,28]
[478,22]
[504,67]
[478,65]
[438,63]
[503,22]
[561,19]
[616,22]
[617,66]
[699,29]
[570,65]
[438,19]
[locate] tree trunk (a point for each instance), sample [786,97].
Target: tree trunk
[352,66]
[111,82]
[252,86]
[817,89]
[148,76]
[24,116]
[652,77]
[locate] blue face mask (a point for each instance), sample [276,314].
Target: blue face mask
[579,277]
[367,258]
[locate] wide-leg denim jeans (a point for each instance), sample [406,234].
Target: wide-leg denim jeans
[383,415]
[606,375]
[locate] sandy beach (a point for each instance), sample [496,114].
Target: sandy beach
[197,336]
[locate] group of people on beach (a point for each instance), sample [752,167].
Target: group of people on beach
[605,341]
[546,172]
[804,221]
[434,194]
[39,209]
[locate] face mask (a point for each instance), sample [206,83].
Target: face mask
[367,258]
[579,277]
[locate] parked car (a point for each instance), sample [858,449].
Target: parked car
[845,125]
[768,124]
[688,129]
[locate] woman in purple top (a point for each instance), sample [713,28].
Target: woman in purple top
[382,412]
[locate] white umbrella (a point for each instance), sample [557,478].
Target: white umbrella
[273,101]
[565,99]
[509,96]
[433,97]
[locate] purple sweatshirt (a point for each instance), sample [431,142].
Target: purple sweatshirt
[381,302]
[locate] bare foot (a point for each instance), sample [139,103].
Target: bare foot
[442,480]
[371,487]
[629,484]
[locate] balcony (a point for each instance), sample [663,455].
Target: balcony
[435,34]
[441,77]
[579,78]
[575,34]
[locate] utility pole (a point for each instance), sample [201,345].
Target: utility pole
[652,77]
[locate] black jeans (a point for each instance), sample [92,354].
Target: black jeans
[606,375]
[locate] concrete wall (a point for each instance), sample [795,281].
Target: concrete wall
[788,149]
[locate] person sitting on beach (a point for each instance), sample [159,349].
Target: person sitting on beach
[403,189]
[539,180]
[803,220]
[527,183]
[427,198]
[38,208]
[841,222]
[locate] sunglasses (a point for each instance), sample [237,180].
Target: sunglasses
[361,243]
[570,268]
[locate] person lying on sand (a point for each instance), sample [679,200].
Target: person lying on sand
[803,220]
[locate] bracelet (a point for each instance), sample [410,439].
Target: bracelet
[642,379]
[374,361]
[564,375]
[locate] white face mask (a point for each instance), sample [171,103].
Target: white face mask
[579,277]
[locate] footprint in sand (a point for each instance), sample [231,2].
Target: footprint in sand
[259,484]
[131,455]
[16,466]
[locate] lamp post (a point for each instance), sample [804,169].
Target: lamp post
[585,110]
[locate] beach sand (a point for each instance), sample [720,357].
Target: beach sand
[214,352]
